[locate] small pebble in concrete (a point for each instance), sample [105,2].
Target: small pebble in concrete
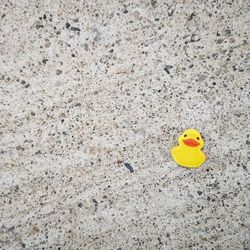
[129,167]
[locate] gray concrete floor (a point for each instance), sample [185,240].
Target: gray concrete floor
[87,86]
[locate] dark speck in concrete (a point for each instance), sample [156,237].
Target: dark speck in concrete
[67,25]
[195,38]
[96,204]
[80,204]
[86,46]
[76,29]
[38,26]
[167,68]
[219,41]
[154,3]
[227,32]
[129,167]
[171,10]
[191,17]
[11,229]
[44,61]
[58,72]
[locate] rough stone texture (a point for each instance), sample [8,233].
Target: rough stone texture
[86,86]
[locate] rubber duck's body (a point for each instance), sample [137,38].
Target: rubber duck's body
[188,153]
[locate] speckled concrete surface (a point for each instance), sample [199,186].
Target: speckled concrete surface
[87,86]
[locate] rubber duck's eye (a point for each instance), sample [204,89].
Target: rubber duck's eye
[185,135]
[198,138]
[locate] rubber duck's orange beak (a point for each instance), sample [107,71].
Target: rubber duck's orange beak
[191,142]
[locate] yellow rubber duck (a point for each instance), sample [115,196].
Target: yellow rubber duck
[188,153]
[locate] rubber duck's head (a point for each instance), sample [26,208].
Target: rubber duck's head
[191,138]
